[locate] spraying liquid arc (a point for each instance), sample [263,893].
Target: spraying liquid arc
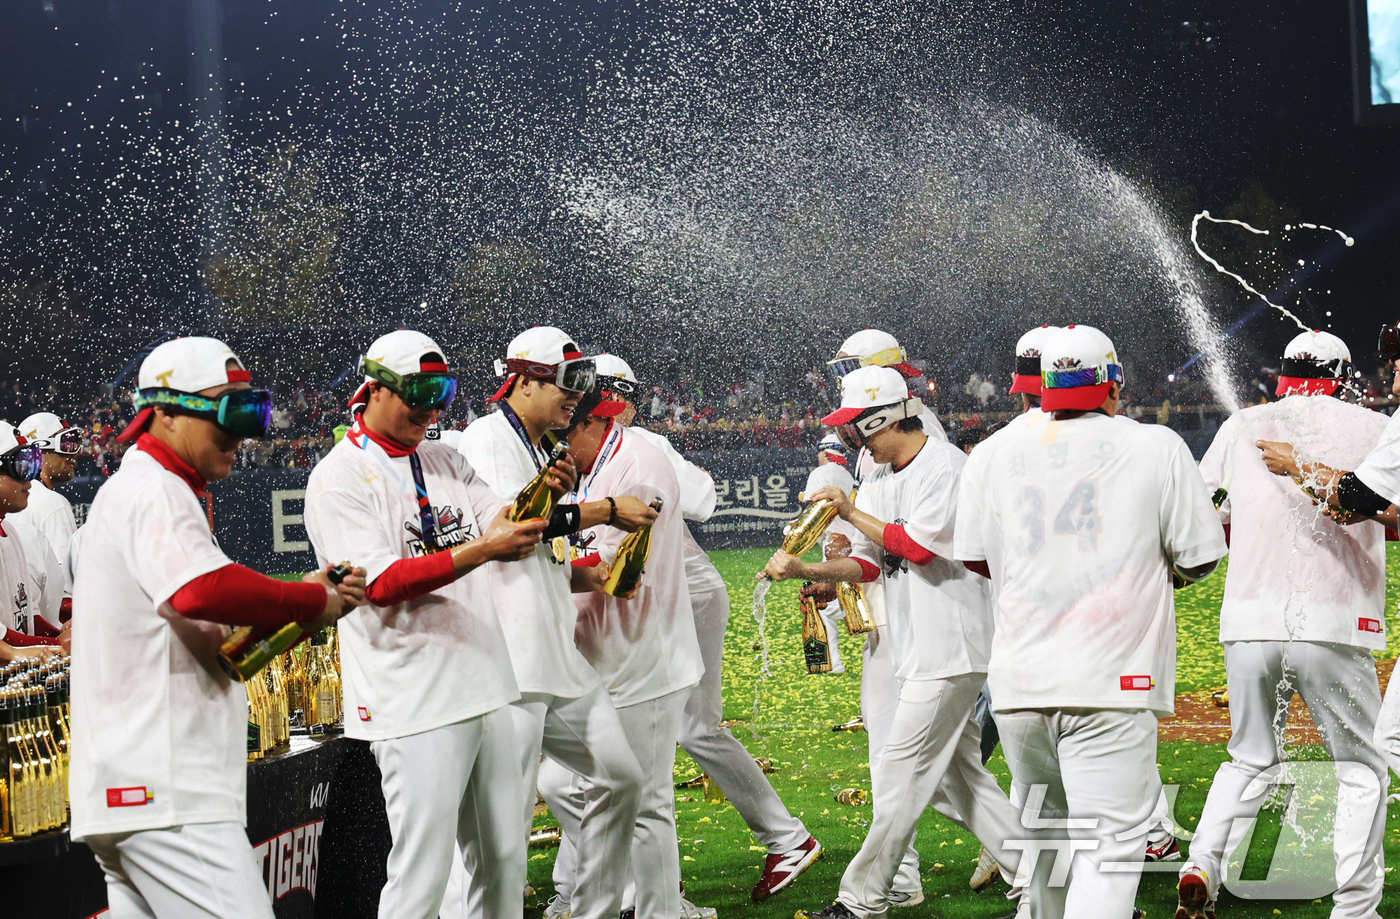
[760,614]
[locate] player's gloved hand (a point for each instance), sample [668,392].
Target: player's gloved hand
[782,567]
[562,477]
[835,496]
[1279,457]
[508,541]
[822,592]
[838,545]
[632,513]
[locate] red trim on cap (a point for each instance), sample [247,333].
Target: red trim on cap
[1074,398]
[1288,386]
[361,396]
[907,370]
[572,355]
[238,375]
[137,426]
[432,367]
[1024,382]
[609,408]
[837,458]
[505,388]
[842,416]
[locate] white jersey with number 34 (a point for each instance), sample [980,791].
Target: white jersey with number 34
[1079,522]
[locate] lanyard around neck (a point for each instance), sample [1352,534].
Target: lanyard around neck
[523,434]
[427,519]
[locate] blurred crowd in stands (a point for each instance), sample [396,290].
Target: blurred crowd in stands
[744,415]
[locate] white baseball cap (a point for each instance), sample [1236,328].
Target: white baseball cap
[1314,363]
[403,351]
[48,430]
[10,438]
[621,385]
[536,352]
[873,388]
[610,365]
[831,445]
[872,347]
[185,365]
[1078,365]
[1026,377]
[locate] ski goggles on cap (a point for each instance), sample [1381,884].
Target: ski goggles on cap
[23,463]
[245,412]
[886,358]
[576,375]
[1389,346]
[1089,376]
[68,442]
[430,389]
[855,433]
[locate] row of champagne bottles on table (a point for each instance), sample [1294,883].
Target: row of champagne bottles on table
[34,745]
[298,689]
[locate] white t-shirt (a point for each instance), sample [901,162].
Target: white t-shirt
[434,660]
[643,648]
[939,619]
[1079,522]
[536,606]
[159,732]
[865,463]
[1380,471]
[44,579]
[51,514]
[698,504]
[1294,573]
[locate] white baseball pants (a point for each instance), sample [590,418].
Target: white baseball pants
[717,751]
[655,870]
[1338,684]
[835,620]
[195,871]
[587,737]
[1098,768]
[457,785]
[1387,734]
[879,698]
[934,746]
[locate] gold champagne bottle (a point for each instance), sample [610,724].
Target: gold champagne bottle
[48,779]
[6,816]
[816,649]
[806,531]
[854,605]
[58,783]
[24,786]
[535,499]
[54,701]
[631,562]
[251,648]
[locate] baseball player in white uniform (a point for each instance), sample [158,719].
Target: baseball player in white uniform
[879,689]
[159,766]
[1304,609]
[643,647]
[49,511]
[1083,522]
[939,632]
[23,596]
[833,470]
[427,675]
[715,749]
[564,708]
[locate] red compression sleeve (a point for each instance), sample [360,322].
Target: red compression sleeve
[410,578]
[20,640]
[979,568]
[869,571]
[44,629]
[65,609]
[588,561]
[235,595]
[898,542]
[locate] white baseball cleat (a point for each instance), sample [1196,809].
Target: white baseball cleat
[987,870]
[899,899]
[691,911]
[555,909]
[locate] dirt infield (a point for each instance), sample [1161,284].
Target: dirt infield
[1197,717]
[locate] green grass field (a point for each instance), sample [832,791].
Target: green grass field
[788,715]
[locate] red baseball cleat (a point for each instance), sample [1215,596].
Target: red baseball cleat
[782,869]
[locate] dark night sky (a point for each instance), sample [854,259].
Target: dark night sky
[1267,99]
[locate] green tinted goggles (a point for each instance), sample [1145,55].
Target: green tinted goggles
[245,412]
[431,389]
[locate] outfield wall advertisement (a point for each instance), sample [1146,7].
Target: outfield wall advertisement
[258,512]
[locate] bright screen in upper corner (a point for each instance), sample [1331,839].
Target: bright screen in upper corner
[1383,28]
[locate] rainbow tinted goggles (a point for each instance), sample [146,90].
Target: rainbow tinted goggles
[1089,376]
[429,389]
[245,412]
[23,463]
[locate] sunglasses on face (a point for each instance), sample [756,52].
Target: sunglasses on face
[24,463]
[418,390]
[245,412]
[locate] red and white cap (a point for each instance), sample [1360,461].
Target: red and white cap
[403,351]
[10,439]
[543,345]
[1314,364]
[1026,377]
[613,402]
[835,450]
[1078,365]
[879,349]
[44,427]
[867,388]
[185,365]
